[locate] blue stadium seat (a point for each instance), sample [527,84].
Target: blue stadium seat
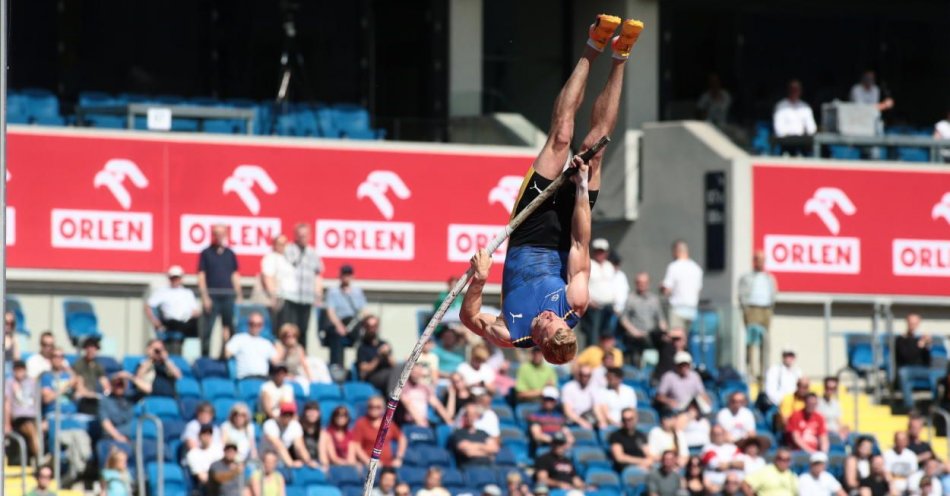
[214,388]
[584,437]
[325,122]
[505,415]
[325,392]
[182,365]
[327,407]
[844,152]
[188,387]
[13,305]
[299,395]
[205,367]
[223,126]
[81,321]
[307,476]
[414,476]
[323,490]
[800,461]
[452,479]
[480,476]
[109,364]
[172,429]
[40,103]
[96,98]
[908,154]
[419,435]
[442,433]
[414,458]
[184,125]
[249,389]
[355,392]
[602,478]
[170,473]
[586,458]
[105,121]
[205,101]
[353,122]
[222,407]
[523,410]
[435,456]
[634,480]
[130,363]
[647,417]
[161,407]
[342,475]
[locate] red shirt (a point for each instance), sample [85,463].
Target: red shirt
[810,429]
[365,435]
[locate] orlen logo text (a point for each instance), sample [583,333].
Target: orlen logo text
[246,235]
[818,254]
[924,257]
[107,229]
[375,240]
[465,239]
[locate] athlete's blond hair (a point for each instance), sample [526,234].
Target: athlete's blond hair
[561,348]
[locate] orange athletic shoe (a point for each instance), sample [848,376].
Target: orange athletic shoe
[601,31]
[623,44]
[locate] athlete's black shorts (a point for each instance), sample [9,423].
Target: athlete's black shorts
[550,225]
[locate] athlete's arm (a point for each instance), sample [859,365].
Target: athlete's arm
[486,325]
[578,260]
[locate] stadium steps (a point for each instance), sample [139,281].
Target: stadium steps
[879,420]
[12,483]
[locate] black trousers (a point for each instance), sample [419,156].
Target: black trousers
[297,314]
[188,329]
[222,305]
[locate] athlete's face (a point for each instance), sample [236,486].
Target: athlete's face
[545,325]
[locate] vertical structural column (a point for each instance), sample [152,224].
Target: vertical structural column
[465,57]
[642,81]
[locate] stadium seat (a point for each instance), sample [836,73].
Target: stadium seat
[81,320]
[299,395]
[130,363]
[843,152]
[105,121]
[419,435]
[183,366]
[800,461]
[249,389]
[184,125]
[908,154]
[188,406]
[342,475]
[634,480]
[353,122]
[187,387]
[326,124]
[40,103]
[105,446]
[170,472]
[109,364]
[586,458]
[584,437]
[325,392]
[222,408]
[452,479]
[505,415]
[205,367]
[647,417]
[327,407]
[358,392]
[308,476]
[435,456]
[523,410]
[214,388]
[223,126]
[172,429]
[859,352]
[603,478]
[13,305]
[480,476]
[323,490]
[414,476]
[442,433]
[90,98]
[414,458]
[161,407]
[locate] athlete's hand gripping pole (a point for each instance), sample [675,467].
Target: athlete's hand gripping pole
[440,312]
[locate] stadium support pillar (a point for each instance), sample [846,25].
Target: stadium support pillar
[642,81]
[465,57]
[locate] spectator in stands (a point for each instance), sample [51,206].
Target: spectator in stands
[666,479]
[364,434]
[416,399]
[817,480]
[115,478]
[554,469]
[308,277]
[476,372]
[857,466]
[621,286]
[774,479]
[284,436]
[275,392]
[92,378]
[226,476]
[157,373]
[344,308]
[44,482]
[600,309]
[720,458]
[681,285]
[757,292]
[806,428]
[628,446]
[878,483]
[301,369]
[433,484]
[116,413]
[219,284]
[450,350]
[19,408]
[42,361]
[900,462]
[533,377]
[912,354]
[942,129]
[337,443]
[732,486]
[577,399]
[693,479]
[795,401]
[178,310]
[269,478]
[830,408]
[11,346]
[737,420]
[548,420]
[681,386]
[251,352]
[472,446]
[713,105]
[276,279]
[504,383]
[668,345]
[429,362]
[593,355]
[456,304]
[515,485]
[697,427]
[668,436]
[199,460]
[313,431]
[793,120]
[387,483]
[923,450]
[931,469]
[613,399]
[204,415]
[641,319]
[781,379]
[239,429]
[750,454]
[488,419]
[599,374]
[374,357]
[456,395]
[866,91]
[59,383]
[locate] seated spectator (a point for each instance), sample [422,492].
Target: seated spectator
[577,399]
[476,372]
[857,466]
[750,454]
[226,476]
[416,399]
[456,395]
[693,478]
[178,309]
[433,484]
[793,118]
[402,489]
[548,420]
[931,469]
[593,355]
[116,413]
[268,481]
[912,356]
[830,408]
[115,478]
[204,415]
[300,369]
[275,392]
[923,450]
[736,418]
[199,460]
[628,446]
[42,361]
[284,436]
[91,378]
[598,375]
[806,428]
[374,358]
[472,447]
[387,483]
[251,352]
[488,419]
[613,399]
[555,469]
[667,346]
[795,401]
[504,383]
[696,430]
[720,458]
[713,105]
[59,383]
[515,486]
[44,482]
[313,432]
[337,445]
[817,480]
[878,483]
[667,436]
[782,378]
[364,434]
[533,377]
[11,345]
[19,408]
[732,486]
[239,430]
[900,462]
[775,478]
[665,480]
[156,374]
[681,386]
[429,362]
[451,351]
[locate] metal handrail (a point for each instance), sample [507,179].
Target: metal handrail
[39,424]
[159,452]
[936,410]
[23,456]
[856,388]
[58,424]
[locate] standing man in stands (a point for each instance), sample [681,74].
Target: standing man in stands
[308,272]
[220,286]
[178,310]
[757,292]
[681,284]
[344,308]
[794,121]
[912,353]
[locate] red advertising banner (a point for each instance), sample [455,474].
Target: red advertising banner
[108,202]
[853,230]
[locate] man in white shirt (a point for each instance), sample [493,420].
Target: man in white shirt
[610,402]
[488,421]
[900,462]
[39,362]
[681,285]
[178,310]
[250,351]
[621,284]
[757,292]
[601,288]
[931,468]
[577,399]
[668,437]
[277,278]
[867,92]
[476,371]
[817,481]
[942,132]
[199,459]
[782,378]
[794,118]
[275,391]
[284,436]
[737,420]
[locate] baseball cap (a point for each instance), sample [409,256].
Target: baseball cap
[788,351]
[176,271]
[550,392]
[682,357]
[346,270]
[818,457]
[600,244]
[230,445]
[491,490]
[288,407]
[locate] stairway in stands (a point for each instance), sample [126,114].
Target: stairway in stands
[878,420]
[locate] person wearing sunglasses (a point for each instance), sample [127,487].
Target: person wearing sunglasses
[364,433]
[42,361]
[776,479]
[337,444]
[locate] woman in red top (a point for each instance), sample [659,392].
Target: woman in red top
[336,443]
